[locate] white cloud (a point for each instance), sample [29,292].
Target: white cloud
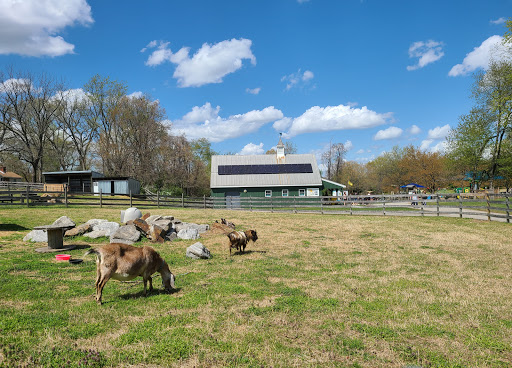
[479,57]
[436,136]
[205,122]
[15,84]
[252,149]
[209,64]
[389,133]
[160,55]
[72,95]
[149,45]
[414,130]
[137,94]
[348,145]
[427,52]
[426,145]
[439,132]
[298,79]
[329,118]
[499,20]
[253,91]
[30,27]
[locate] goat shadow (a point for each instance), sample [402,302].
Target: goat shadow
[150,294]
[240,253]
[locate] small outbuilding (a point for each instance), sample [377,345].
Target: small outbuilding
[116,185]
[89,181]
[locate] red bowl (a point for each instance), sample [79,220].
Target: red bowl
[62,257]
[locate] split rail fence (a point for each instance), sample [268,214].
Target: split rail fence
[481,206]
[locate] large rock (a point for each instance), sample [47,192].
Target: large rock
[94,222]
[127,232]
[141,225]
[64,222]
[188,233]
[79,230]
[131,213]
[186,225]
[109,227]
[163,223]
[156,234]
[198,251]
[95,234]
[36,236]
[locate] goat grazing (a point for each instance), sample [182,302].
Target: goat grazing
[124,262]
[239,239]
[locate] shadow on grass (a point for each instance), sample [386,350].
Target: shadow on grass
[12,227]
[150,294]
[240,253]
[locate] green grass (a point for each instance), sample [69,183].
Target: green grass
[314,291]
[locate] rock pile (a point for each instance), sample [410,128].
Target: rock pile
[155,228]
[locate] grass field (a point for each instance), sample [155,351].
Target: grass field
[314,291]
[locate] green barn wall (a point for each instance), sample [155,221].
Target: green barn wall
[260,192]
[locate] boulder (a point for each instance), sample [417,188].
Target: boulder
[109,227]
[188,233]
[156,234]
[171,236]
[165,224]
[36,236]
[64,222]
[94,222]
[198,251]
[185,225]
[127,232]
[141,225]
[79,230]
[96,234]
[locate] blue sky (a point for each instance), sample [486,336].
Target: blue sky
[371,74]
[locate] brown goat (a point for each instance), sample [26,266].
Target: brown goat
[124,262]
[239,239]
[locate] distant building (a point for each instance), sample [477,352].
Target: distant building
[273,175]
[89,181]
[9,176]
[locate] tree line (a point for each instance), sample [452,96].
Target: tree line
[46,127]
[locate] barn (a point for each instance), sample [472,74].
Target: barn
[272,175]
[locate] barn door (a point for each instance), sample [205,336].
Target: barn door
[233,200]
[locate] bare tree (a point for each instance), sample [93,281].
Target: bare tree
[333,158]
[75,126]
[28,111]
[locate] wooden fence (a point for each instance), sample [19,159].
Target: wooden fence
[487,206]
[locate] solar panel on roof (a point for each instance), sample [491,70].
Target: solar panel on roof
[265,169]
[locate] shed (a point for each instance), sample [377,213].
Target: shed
[77,181]
[116,185]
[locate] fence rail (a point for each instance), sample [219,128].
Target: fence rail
[488,207]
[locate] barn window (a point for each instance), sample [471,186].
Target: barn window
[268,193]
[285,193]
[302,192]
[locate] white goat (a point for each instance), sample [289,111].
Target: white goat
[124,262]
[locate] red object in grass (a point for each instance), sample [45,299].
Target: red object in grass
[62,257]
